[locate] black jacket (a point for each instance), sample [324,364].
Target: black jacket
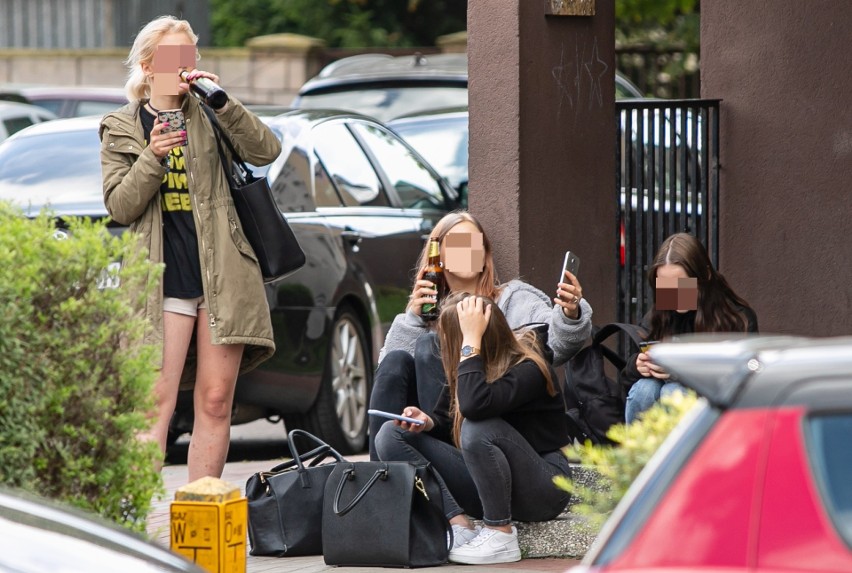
[520,397]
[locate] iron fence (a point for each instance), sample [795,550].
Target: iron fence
[667,181]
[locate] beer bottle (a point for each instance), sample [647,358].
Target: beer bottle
[206,90]
[435,275]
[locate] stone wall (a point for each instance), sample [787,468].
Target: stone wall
[270,69]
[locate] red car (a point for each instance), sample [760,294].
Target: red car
[757,478]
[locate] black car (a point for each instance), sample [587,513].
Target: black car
[360,201]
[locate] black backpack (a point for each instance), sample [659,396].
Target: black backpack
[593,401]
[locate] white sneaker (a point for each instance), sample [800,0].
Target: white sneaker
[461,534]
[490,546]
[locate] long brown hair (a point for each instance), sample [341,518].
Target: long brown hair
[502,348]
[719,307]
[487,284]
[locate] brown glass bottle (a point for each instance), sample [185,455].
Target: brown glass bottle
[206,90]
[434,274]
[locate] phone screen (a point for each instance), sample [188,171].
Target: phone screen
[571,263]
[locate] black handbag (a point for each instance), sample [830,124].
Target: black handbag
[387,514]
[275,245]
[285,504]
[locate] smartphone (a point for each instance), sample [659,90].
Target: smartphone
[175,119]
[570,264]
[647,344]
[395,417]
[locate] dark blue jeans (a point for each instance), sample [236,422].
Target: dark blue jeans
[403,380]
[496,475]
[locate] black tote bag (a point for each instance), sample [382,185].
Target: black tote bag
[275,245]
[386,514]
[285,504]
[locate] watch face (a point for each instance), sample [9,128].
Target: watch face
[467,350]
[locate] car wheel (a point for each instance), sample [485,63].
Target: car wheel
[339,415]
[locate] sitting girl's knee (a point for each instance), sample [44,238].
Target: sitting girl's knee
[387,437]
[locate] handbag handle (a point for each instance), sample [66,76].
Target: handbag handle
[323,449]
[381,473]
[317,455]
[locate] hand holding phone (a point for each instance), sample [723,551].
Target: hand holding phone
[384,414]
[571,263]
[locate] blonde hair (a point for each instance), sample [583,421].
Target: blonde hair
[138,86]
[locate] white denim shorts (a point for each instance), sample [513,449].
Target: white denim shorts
[187,306]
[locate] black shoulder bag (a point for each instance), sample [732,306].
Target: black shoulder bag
[275,245]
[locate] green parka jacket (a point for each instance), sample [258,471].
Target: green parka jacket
[233,286]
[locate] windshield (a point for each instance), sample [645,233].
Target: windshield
[387,103]
[60,168]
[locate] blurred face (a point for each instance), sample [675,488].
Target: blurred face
[676,290]
[463,250]
[174,52]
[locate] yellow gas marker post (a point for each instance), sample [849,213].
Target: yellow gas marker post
[208,525]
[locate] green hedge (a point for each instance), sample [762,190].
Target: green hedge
[73,395]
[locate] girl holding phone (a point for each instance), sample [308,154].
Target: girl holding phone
[208,314]
[717,309]
[410,370]
[495,435]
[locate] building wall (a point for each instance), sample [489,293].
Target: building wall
[69,24]
[782,69]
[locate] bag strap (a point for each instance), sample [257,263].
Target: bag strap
[220,134]
[634,332]
[316,455]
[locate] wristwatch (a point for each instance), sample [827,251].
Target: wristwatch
[467,351]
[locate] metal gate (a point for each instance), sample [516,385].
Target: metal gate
[666,181]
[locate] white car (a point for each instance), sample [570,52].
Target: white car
[16,116]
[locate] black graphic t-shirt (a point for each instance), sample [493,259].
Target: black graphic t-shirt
[182,277]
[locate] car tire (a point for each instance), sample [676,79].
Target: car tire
[339,415]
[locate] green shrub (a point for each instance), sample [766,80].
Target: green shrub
[75,383]
[619,465]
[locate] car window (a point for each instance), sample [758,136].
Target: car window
[95,107]
[444,144]
[414,184]
[830,436]
[52,105]
[16,124]
[291,188]
[324,191]
[348,167]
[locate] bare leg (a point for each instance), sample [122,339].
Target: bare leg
[177,332]
[215,381]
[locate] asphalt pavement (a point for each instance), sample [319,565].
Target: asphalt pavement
[262,438]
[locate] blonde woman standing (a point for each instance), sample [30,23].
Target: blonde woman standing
[209,313]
